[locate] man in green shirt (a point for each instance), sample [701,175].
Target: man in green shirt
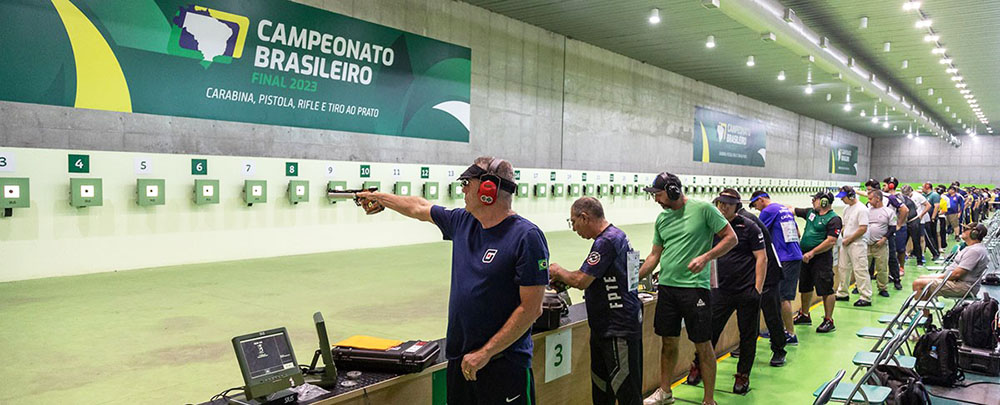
[682,246]
[823,227]
[931,231]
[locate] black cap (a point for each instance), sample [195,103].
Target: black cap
[847,191]
[661,182]
[728,196]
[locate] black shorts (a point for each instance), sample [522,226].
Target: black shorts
[500,382]
[692,305]
[817,273]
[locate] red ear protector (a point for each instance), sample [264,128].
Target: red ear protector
[489,183]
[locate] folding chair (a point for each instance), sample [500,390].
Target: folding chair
[827,392]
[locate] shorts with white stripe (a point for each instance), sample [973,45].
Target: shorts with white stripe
[616,370]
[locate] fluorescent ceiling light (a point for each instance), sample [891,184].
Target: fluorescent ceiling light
[932,38]
[654,16]
[924,23]
[911,6]
[938,50]
[781,75]
[951,70]
[945,61]
[750,61]
[711,42]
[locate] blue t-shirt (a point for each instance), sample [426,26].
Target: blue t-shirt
[780,222]
[954,203]
[488,267]
[613,308]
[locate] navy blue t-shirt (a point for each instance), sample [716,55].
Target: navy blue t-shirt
[488,267]
[613,308]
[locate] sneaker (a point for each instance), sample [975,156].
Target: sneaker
[659,397]
[742,385]
[735,353]
[883,293]
[855,291]
[765,334]
[802,319]
[862,303]
[897,284]
[694,375]
[839,298]
[826,327]
[791,340]
[777,359]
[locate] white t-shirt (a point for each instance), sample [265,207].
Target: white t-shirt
[919,200]
[854,217]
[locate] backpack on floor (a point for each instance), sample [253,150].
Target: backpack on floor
[905,385]
[937,357]
[950,319]
[977,326]
[991,279]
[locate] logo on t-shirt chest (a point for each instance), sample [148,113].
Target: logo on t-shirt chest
[490,254]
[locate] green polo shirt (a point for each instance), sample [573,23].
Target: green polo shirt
[685,234]
[818,227]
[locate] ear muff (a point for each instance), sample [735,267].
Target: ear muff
[673,191]
[489,184]
[974,234]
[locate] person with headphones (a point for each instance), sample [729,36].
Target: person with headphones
[740,277]
[822,229]
[931,219]
[683,248]
[609,277]
[967,268]
[500,268]
[853,259]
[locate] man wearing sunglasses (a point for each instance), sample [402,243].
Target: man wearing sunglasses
[609,277]
[499,272]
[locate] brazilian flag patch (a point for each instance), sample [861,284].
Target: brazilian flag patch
[543,264]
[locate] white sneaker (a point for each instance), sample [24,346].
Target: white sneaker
[659,397]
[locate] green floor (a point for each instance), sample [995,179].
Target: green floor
[162,336]
[814,361]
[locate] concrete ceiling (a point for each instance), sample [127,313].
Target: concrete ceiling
[969,29]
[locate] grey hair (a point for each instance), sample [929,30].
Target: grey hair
[876,193]
[505,171]
[906,189]
[589,205]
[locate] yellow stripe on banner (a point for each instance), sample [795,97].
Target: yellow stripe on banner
[704,143]
[100,83]
[833,162]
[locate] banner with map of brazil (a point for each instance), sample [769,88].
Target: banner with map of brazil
[266,62]
[725,138]
[843,159]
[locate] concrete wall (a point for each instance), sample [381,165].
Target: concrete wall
[918,160]
[601,111]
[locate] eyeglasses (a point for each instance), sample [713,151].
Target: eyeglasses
[465,182]
[570,222]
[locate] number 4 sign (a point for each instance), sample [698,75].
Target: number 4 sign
[558,354]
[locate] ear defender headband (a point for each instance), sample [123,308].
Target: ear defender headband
[673,189]
[491,184]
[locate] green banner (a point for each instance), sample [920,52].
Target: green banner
[265,62]
[844,159]
[724,138]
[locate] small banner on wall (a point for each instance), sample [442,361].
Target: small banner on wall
[844,159]
[262,62]
[725,138]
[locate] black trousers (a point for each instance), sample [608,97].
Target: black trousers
[915,231]
[770,305]
[746,305]
[893,256]
[616,370]
[931,236]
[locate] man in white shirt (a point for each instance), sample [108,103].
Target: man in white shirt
[853,251]
[915,227]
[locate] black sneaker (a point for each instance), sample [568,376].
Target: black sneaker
[777,359]
[847,298]
[826,327]
[694,375]
[802,319]
[883,293]
[735,353]
[742,385]
[897,285]
[862,303]
[855,291]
